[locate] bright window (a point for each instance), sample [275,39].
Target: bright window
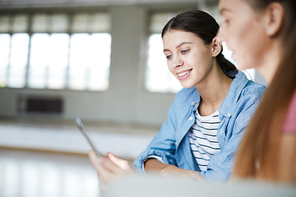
[58,60]
[89,59]
[18,60]
[4,58]
[37,71]
[53,58]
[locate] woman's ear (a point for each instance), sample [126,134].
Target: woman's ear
[216,47]
[274,18]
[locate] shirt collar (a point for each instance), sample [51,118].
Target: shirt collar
[239,82]
[227,107]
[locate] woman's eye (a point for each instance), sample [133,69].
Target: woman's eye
[185,51]
[227,20]
[168,56]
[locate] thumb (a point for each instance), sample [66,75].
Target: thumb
[123,164]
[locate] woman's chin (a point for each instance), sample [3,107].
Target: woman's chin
[186,85]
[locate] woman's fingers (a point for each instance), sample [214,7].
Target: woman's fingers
[103,173]
[123,164]
[113,168]
[109,169]
[106,168]
[95,160]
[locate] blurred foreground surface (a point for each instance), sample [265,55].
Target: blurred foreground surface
[136,186]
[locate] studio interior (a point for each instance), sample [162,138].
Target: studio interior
[99,60]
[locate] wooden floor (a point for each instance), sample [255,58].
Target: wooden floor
[38,174]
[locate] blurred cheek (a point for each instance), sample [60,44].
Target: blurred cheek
[221,35]
[246,59]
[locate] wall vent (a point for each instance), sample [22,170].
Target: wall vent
[40,105]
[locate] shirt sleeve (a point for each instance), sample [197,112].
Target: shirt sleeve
[289,125]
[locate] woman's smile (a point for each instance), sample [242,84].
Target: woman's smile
[183,74]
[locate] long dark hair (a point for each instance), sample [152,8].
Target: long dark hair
[262,141]
[206,28]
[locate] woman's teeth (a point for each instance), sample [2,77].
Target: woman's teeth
[183,73]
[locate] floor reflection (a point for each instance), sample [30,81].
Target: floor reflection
[30,174]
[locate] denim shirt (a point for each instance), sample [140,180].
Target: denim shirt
[172,144]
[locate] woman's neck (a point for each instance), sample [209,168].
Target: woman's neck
[213,92]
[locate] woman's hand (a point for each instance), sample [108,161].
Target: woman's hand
[110,169]
[123,164]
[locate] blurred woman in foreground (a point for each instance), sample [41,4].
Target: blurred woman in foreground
[262,35]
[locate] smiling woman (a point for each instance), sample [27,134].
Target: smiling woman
[206,121]
[202,119]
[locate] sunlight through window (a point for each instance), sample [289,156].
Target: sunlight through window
[4,58]
[38,60]
[58,60]
[51,57]
[18,60]
[89,59]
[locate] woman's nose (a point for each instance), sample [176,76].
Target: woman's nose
[177,62]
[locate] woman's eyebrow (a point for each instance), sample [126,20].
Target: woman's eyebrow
[179,45]
[222,10]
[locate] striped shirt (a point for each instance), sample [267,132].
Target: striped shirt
[203,138]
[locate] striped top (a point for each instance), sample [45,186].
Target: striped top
[203,138]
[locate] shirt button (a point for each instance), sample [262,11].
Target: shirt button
[192,103]
[176,143]
[190,118]
[196,105]
[228,114]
